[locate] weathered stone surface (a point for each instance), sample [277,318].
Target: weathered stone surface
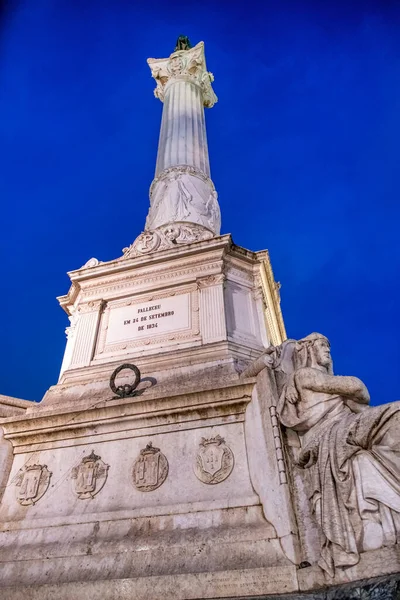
[349,452]
[182,191]
[177,480]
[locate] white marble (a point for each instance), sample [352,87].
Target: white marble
[344,454]
[182,191]
[189,487]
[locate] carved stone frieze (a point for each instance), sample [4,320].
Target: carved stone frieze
[32,482]
[89,476]
[126,281]
[214,461]
[166,237]
[184,65]
[183,194]
[150,469]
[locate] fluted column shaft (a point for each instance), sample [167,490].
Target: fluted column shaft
[183,200]
[183,139]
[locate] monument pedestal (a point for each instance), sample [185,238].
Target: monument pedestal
[179,455]
[156,488]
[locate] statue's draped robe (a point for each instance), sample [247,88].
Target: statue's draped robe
[353,470]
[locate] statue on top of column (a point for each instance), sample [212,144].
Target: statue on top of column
[183,43]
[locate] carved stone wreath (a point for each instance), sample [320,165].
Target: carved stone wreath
[126,390]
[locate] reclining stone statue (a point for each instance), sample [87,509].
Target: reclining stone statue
[349,452]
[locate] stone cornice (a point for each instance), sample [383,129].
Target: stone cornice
[47,425]
[119,272]
[10,406]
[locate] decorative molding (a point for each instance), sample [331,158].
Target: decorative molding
[32,482]
[92,306]
[183,65]
[210,280]
[125,281]
[92,262]
[214,460]
[242,275]
[258,294]
[89,476]
[278,446]
[166,237]
[150,469]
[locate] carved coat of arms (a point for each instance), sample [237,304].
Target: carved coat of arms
[214,461]
[150,469]
[32,482]
[90,476]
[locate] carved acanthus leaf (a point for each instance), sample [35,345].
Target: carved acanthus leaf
[186,65]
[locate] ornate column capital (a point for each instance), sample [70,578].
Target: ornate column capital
[183,65]
[89,307]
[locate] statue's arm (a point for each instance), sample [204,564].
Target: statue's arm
[317,381]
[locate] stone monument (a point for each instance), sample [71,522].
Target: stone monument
[189,449]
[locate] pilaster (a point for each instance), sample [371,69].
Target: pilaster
[85,334]
[212,308]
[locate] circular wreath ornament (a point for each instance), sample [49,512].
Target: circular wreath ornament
[126,390]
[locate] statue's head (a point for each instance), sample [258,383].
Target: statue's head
[313,351]
[183,43]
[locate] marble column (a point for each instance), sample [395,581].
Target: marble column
[182,191]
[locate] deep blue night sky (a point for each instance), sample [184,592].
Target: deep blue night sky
[303,147]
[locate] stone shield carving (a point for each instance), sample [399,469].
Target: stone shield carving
[32,482]
[214,461]
[90,476]
[150,469]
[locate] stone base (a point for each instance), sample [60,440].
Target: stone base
[224,584]
[250,584]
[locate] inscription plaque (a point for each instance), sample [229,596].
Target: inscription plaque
[152,318]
